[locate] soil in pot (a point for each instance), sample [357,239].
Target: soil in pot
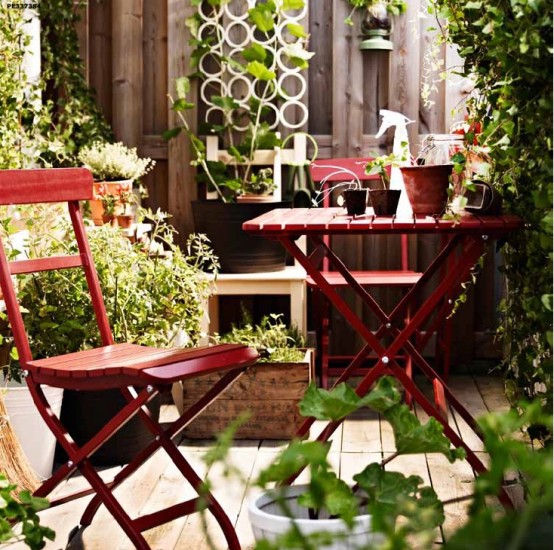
[384,201]
[85,413]
[355,201]
[427,187]
[237,251]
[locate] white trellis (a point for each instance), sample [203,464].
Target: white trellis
[231,32]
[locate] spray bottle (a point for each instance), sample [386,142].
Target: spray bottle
[401,149]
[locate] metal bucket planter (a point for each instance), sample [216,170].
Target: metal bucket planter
[427,187]
[237,251]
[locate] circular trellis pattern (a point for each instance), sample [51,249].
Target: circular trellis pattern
[231,32]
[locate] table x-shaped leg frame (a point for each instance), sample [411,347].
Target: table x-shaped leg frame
[459,269]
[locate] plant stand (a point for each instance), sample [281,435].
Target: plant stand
[270,391]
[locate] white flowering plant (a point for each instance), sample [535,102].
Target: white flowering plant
[114,161]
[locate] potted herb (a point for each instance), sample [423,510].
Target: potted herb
[384,200]
[238,140]
[115,169]
[328,512]
[269,392]
[354,195]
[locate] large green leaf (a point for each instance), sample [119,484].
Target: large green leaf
[412,437]
[260,71]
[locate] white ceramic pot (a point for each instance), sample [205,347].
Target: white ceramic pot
[35,438]
[269,521]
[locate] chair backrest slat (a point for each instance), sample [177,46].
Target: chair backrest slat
[69,185]
[45,185]
[45,264]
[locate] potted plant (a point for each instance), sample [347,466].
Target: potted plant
[150,299]
[325,512]
[269,392]
[115,169]
[385,200]
[376,25]
[354,195]
[126,214]
[238,140]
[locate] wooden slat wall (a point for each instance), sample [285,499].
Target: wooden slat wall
[134,49]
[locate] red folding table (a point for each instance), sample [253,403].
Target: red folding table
[463,245]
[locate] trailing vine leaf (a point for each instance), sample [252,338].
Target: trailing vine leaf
[410,436]
[343,400]
[262,15]
[391,494]
[260,71]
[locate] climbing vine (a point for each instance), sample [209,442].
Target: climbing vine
[17,109]
[71,111]
[507,50]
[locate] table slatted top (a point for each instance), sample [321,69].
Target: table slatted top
[333,221]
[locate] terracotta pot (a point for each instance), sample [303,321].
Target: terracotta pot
[356,201]
[109,188]
[125,220]
[384,201]
[427,187]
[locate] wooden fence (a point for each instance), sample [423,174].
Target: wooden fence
[134,49]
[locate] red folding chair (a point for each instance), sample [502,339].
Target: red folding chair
[402,278]
[140,373]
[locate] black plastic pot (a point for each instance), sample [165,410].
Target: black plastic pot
[384,201]
[237,251]
[356,201]
[85,413]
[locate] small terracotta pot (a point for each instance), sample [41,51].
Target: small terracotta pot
[356,201]
[107,219]
[384,201]
[125,220]
[427,187]
[108,188]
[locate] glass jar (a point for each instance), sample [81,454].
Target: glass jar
[439,148]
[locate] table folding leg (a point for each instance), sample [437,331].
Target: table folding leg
[459,270]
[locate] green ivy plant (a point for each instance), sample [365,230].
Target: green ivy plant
[394,7]
[70,117]
[20,507]
[400,505]
[507,51]
[257,63]
[18,107]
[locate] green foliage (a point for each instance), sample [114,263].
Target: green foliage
[154,294]
[509,452]
[18,98]
[507,49]
[276,342]
[114,161]
[258,65]
[387,496]
[22,509]
[71,118]
[379,164]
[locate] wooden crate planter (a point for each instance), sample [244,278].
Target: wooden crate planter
[270,391]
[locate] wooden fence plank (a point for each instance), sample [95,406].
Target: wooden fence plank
[127,71]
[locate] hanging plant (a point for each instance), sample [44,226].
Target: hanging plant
[507,51]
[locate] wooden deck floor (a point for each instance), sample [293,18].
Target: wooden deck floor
[360,440]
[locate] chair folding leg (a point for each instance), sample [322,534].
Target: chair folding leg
[78,459]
